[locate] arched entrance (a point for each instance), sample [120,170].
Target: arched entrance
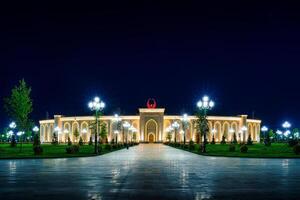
[151,138]
[151,130]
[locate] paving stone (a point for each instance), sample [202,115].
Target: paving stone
[150,171]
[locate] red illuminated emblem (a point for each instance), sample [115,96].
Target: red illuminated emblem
[151,103]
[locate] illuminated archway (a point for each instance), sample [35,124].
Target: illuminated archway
[151,127]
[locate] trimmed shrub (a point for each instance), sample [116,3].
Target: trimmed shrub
[38,150]
[191,145]
[234,139]
[72,149]
[213,140]
[267,140]
[13,142]
[100,149]
[91,141]
[244,148]
[54,139]
[80,141]
[223,140]
[232,148]
[36,140]
[293,142]
[69,142]
[108,147]
[296,149]
[249,140]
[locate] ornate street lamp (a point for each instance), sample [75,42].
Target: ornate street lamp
[35,129]
[264,129]
[97,106]
[175,127]
[126,126]
[169,131]
[286,125]
[204,105]
[118,126]
[12,125]
[185,126]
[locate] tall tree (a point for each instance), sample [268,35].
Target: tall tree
[202,128]
[19,107]
[103,132]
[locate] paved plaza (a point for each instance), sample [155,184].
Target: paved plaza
[150,171]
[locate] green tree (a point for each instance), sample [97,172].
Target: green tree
[80,141]
[76,133]
[234,138]
[223,141]
[19,107]
[202,128]
[249,140]
[103,132]
[295,133]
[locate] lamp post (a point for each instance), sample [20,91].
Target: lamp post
[97,106]
[185,126]
[12,125]
[244,130]
[118,123]
[286,125]
[126,126]
[279,132]
[264,129]
[204,105]
[169,132]
[35,129]
[175,127]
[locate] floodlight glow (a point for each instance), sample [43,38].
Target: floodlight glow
[35,129]
[205,98]
[175,125]
[66,131]
[214,130]
[126,125]
[279,132]
[244,128]
[84,131]
[10,133]
[199,104]
[264,129]
[211,104]
[97,99]
[12,125]
[286,124]
[231,130]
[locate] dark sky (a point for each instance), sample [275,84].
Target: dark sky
[245,56]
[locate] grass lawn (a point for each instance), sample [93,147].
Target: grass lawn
[49,151]
[276,150]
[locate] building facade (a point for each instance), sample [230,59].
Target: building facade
[151,125]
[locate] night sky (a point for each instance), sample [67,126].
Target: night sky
[245,56]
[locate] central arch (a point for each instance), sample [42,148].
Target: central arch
[151,128]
